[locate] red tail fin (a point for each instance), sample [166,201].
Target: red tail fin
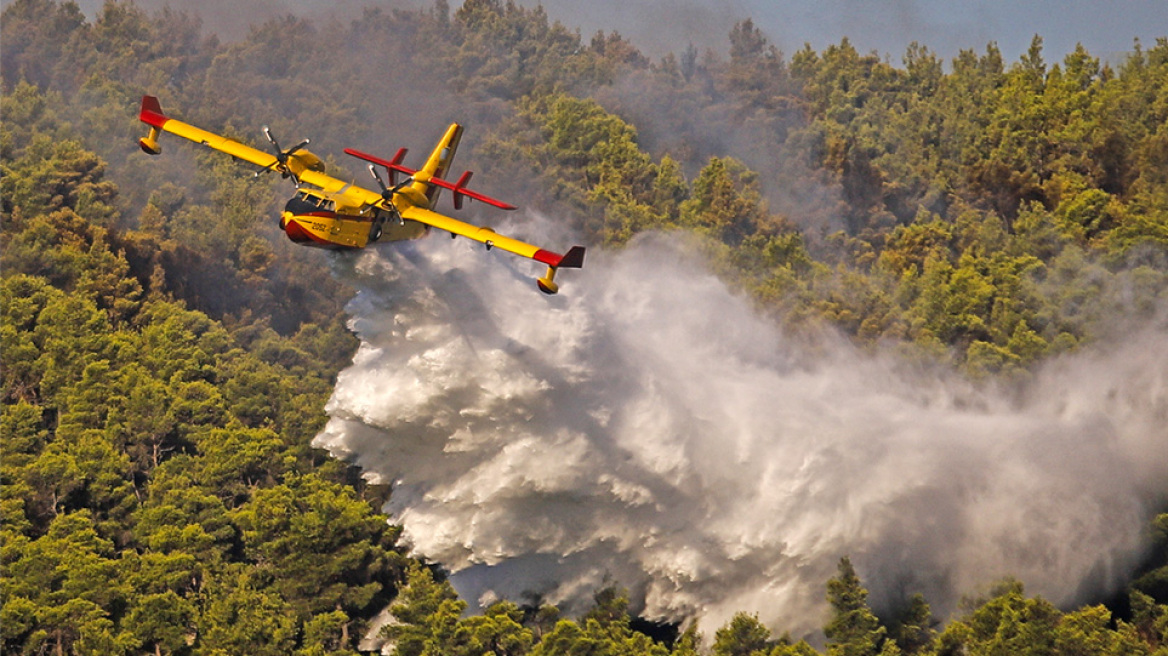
[151,112]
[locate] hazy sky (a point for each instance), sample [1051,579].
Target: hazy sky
[886,26]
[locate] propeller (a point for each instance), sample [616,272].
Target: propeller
[387,193]
[281,163]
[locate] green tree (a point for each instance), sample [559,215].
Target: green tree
[913,629]
[853,629]
[497,631]
[725,202]
[744,635]
[425,610]
[1006,623]
[242,617]
[164,621]
[322,548]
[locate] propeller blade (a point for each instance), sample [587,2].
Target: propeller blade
[268,134]
[281,163]
[397,187]
[373,172]
[295,148]
[386,193]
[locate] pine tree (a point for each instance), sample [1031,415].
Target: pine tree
[853,629]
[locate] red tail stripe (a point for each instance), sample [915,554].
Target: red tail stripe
[547,257]
[573,259]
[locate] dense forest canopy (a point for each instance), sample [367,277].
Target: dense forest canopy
[167,355]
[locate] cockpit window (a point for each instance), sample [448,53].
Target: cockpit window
[306,203]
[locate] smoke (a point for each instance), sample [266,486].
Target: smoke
[645,428]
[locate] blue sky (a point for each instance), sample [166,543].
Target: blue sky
[657,27]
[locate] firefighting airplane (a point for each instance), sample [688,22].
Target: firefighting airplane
[331,213]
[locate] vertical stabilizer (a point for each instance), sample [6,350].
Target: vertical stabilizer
[438,163]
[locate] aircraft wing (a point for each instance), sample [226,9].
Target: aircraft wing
[573,259]
[151,114]
[334,186]
[298,162]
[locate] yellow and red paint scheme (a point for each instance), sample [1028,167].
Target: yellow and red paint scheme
[329,213]
[315,219]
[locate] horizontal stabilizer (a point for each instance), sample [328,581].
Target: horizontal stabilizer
[458,188]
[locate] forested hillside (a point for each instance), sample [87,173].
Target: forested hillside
[167,354]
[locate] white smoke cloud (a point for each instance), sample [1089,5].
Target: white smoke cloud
[646,428]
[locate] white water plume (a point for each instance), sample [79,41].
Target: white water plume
[646,429]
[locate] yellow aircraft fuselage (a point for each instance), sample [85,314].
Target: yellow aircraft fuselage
[314,219]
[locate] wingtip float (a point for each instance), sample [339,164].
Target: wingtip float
[329,213]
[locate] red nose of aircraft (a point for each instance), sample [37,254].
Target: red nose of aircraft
[295,231]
